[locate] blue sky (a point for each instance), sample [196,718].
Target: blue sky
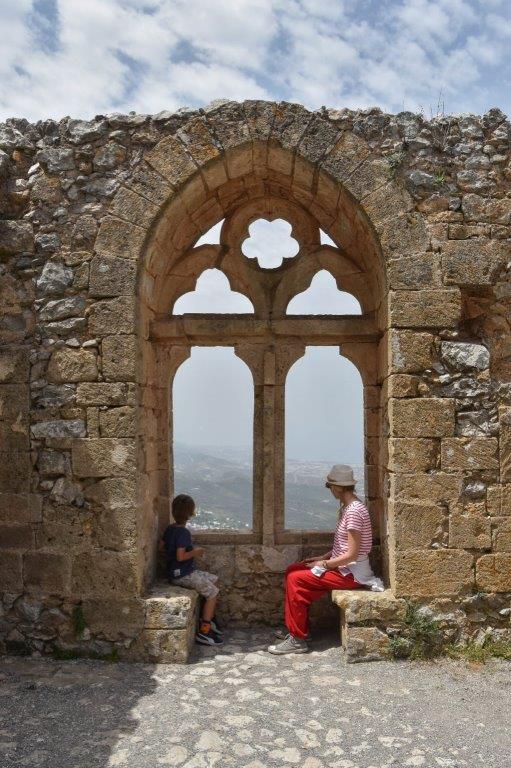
[82,58]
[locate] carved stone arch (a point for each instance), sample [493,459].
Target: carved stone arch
[221,162]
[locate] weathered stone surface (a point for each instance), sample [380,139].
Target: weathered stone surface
[14,366]
[60,309]
[15,468]
[19,537]
[425,309]
[464,453]
[464,357]
[119,358]
[472,262]
[112,316]
[106,457]
[112,277]
[429,573]
[501,534]
[53,463]
[361,606]
[113,493]
[72,365]
[408,351]
[104,575]
[118,238]
[412,272]
[493,572]
[20,508]
[257,559]
[421,417]
[11,577]
[56,159]
[101,393]
[365,644]
[54,279]
[118,422]
[505,444]
[114,619]
[16,237]
[58,428]
[161,646]
[430,488]
[415,525]
[469,532]
[47,572]
[82,131]
[412,454]
[170,608]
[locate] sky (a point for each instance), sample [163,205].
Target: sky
[70,57]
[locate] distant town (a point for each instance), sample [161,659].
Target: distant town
[220,480]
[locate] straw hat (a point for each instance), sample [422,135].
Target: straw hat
[341,474]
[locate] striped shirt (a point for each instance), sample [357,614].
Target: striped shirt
[355,517]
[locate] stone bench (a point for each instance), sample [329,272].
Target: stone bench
[170,621]
[366,618]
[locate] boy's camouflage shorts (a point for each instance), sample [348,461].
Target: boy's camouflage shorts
[202,581]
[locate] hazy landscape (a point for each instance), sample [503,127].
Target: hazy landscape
[220,480]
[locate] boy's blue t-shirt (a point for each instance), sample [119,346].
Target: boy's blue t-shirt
[175,537]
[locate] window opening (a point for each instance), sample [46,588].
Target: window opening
[212,236]
[323,297]
[213,409]
[213,294]
[324,426]
[326,239]
[270,242]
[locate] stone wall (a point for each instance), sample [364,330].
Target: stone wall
[91,214]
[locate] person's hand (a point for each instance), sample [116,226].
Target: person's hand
[199,551]
[313,563]
[307,560]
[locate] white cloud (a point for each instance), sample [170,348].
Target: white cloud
[149,55]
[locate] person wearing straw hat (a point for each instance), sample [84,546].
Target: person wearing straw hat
[346,566]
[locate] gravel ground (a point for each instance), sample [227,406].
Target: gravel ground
[240,706]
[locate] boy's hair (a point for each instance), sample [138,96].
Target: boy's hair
[183,507]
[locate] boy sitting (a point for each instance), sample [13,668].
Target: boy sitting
[182,572]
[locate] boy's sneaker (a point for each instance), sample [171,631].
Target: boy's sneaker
[289,645]
[215,627]
[208,636]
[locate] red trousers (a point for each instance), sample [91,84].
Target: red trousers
[302,588]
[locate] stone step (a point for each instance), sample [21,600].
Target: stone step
[367,621]
[169,625]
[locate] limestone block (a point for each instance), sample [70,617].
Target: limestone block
[170,608]
[494,506]
[469,532]
[110,276]
[68,364]
[62,309]
[361,606]
[460,454]
[425,309]
[501,534]
[130,206]
[219,559]
[114,619]
[412,454]
[145,182]
[161,646]
[472,262]
[435,487]
[104,457]
[120,239]
[101,393]
[421,417]
[405,234]
[11,575]
[14,366]
[411,272]
[15,471]
[105,575]
[401,385]
[493,572]
[47,572]
[435,573]
[118,422]
[20,508]
[505,444]
[414,526]
[258,559]
[14,402]
[113,493]
[409,351]
[169,157]
[14,436]
[119,358]
[365,644]
[58,433]
[348,153]
[259,116]
[112,316]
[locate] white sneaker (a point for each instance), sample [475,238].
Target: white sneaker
[289,645]
[282,632]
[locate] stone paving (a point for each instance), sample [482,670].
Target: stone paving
[239,706]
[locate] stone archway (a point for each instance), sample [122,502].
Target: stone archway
[268,162]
